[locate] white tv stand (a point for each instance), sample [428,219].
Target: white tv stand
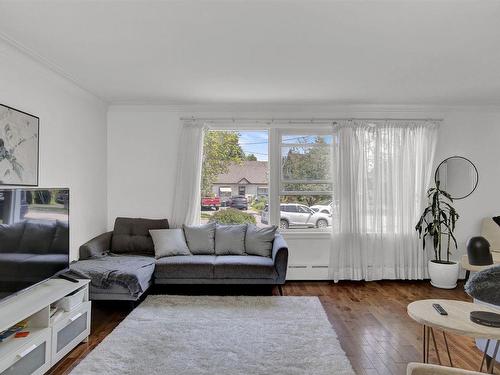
[48,340]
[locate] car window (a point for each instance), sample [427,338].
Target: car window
[304,210]
[292,208]
[325,211]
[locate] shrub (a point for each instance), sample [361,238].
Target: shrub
[259,205]
[205,215]
[232,216]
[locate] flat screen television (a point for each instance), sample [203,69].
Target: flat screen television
[34,237]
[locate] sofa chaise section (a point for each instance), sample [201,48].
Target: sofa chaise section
[116,277]
[120,263]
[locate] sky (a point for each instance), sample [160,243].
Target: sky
[255,142]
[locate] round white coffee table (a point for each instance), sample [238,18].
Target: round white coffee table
[457,321]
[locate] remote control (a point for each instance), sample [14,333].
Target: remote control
[439,309]
[66,277]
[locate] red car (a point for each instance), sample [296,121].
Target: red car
[208,203]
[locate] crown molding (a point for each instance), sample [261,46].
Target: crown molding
[306,109]
[50,65]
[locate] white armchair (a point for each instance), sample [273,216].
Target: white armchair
[491,231]
[427,369]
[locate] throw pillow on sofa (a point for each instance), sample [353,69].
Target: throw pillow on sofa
[131,235]
[169,242]
[200,238]
[230,239]
[259,241]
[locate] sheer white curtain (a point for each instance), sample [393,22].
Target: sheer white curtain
[383,170]
[187,187]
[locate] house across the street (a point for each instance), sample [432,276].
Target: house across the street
[249,179]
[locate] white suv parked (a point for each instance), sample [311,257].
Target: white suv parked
[322,208]
[298,215]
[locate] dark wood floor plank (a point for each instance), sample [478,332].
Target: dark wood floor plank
[369,318]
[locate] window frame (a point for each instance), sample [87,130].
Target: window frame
[275,181]
[275,133]
[260,189]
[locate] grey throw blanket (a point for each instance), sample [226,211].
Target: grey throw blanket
[485,286]
[122,270]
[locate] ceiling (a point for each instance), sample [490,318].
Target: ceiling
[276,52]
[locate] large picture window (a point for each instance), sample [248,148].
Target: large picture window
[237,175]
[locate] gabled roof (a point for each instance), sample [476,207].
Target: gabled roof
[255,172]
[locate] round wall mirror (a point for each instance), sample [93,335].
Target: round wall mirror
[458,176]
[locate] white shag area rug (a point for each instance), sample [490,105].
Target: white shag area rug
[181,335]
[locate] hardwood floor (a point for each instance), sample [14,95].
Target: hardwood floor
[369,317]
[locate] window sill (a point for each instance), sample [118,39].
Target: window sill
[298,234]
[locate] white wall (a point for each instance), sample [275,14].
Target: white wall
[142,163]
[72,137]
[143,147]
[475,135]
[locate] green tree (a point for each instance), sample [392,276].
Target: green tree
[307,163]
[251,157]
[220,150]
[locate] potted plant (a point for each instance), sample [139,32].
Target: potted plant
[438,222]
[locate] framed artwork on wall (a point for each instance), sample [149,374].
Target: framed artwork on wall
[19,143]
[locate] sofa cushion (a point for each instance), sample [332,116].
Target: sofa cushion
[185,267]
[259,241]
[37,236]
[169,242]
[131,235]
[244,267]
[200,238]
[230,239]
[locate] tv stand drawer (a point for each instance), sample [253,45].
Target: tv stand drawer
[31,358]
[71,329]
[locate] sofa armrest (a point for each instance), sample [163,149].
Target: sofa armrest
[280,257]
[96,247]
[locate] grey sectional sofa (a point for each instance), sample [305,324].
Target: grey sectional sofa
[122,266]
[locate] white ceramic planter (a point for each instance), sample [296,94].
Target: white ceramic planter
[443,275]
